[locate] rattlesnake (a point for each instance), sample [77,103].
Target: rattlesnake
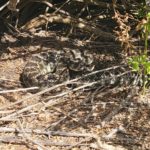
[49,68]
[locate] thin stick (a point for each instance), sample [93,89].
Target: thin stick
[48,133]
[18,90]
[19,112]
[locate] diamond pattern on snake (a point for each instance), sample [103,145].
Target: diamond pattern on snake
[47,69]
[53,67]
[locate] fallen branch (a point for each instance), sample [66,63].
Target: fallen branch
[60,18]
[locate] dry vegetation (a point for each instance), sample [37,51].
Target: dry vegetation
[104,118]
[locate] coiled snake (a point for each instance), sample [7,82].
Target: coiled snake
[50,68]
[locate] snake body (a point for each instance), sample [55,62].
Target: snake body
[46,69]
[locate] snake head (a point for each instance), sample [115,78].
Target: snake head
[79,60]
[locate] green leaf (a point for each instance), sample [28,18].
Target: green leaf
[148,28]
[148,15]
[148,67]
[130,61]
[135,66]
[136,58]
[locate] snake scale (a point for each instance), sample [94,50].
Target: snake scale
[49,68]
